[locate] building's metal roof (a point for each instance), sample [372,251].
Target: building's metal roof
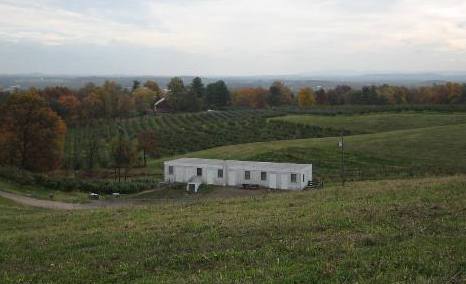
[243,165]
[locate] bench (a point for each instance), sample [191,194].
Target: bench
[314,184]
[94,196]
[250,186]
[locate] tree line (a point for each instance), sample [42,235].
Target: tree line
[33,123]
[280,95]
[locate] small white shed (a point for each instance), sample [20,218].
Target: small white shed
[285,176]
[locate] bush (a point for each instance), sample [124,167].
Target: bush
[69,184]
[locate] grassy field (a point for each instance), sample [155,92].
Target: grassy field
[373,123]
[381,231]
[432,150]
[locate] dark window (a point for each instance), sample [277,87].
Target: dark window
[294,178]
[303,178]
[220,173]
[247,175]
[199,172]
[170,170]
[263,176]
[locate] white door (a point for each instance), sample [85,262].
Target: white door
[273,181]
[232,178]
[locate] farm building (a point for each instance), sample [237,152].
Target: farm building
[195,171]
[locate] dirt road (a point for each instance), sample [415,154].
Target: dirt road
[61,205]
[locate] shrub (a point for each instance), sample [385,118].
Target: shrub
[69,184]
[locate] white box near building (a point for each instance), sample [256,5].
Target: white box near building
[238,173]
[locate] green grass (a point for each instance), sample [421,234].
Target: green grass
[372,123]
[382,231]
[433,150]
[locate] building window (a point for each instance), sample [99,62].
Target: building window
[199,172]
[170,170]
[294,178]
[220,174]
[263,176]
[303,178]
[247,175]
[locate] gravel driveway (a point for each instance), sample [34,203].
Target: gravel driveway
[61,205]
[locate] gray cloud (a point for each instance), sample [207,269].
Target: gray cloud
[231,37]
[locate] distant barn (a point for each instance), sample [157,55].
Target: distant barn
[238,173]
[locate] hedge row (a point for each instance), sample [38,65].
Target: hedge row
[69,184]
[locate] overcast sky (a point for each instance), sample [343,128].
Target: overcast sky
[234,37]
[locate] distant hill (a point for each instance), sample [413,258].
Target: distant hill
[293,81]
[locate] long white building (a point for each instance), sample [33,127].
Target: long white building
[238,173]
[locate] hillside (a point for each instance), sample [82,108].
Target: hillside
[384,231]
[434,150]
[373,123]
[183,133]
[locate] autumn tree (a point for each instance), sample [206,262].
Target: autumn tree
[153,86]
[70,107]
[124,152]
[306,98]
[250,97]
[32,135]
[144,99]
[147,141]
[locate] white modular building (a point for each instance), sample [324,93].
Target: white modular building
[284,176]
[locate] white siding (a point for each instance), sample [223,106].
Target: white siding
[234,174]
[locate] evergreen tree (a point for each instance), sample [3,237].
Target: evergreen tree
[217,94]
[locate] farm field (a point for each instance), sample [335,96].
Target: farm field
[377,231]
[430,150]
[182,133]
[380,122]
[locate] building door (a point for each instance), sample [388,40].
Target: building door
[273,181]
[232,178]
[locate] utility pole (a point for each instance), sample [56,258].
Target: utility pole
[341,144]
[119,156]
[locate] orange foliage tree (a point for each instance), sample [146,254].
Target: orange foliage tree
[31,134]
[306,98]
[250,97]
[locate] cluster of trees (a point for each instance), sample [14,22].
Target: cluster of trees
[111,100]
[31,133]
[278,95]
[196,96]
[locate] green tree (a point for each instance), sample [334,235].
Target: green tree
[217,94]
[136,85]
[279,94]
[197,91]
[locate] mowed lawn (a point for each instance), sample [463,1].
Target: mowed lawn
[372,123]
[436,150]
[380,231]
